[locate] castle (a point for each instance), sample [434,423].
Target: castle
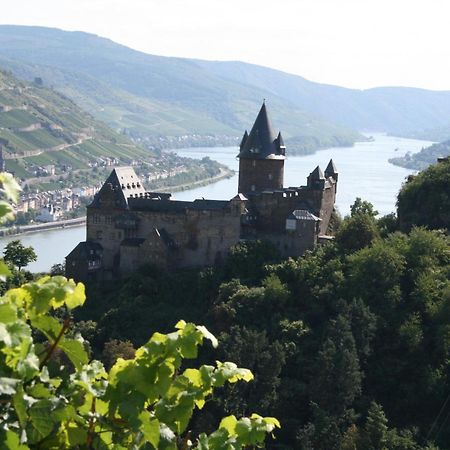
[128,227]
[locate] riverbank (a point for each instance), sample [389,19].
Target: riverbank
[24,229]
[224,173]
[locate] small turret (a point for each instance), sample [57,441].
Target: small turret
[244,139]
[280,144]
[316,179]
[331,171]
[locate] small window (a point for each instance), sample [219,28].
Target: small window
[254,163]
[270,176]
[253,188]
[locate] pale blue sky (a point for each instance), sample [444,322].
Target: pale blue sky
[353,43]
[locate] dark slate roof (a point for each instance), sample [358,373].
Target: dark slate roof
[303,214]
[317,174]
[143,204]
[280,141]
[83,250]
[262,143]
[331,169]
[244,139]
[125,183]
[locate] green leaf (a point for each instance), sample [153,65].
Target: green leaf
[8,385]
[77,436]
[9,186]
[4,270]
[150,428]
[40,415]
[39,391]
[229,424]
[75,352]
[20,406]
[208,335]
[4,335]
[10,441]
[6,211]
[48,325]
[77,297]
[8,313]
[64,413]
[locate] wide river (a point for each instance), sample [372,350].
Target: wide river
[364,171]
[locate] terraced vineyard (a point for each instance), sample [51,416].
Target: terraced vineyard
[43,132]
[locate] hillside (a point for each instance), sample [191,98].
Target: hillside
[438,134]
[391,109]
[151,96]
[422,159]
[154,96]
[40,128]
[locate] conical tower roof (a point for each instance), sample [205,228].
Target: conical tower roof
[331,169]
[262,142]
[316,174]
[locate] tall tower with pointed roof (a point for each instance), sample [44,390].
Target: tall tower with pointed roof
[261,157]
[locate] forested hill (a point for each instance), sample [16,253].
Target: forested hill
[40,127]
[422,159]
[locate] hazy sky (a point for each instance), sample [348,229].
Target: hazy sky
[354,43]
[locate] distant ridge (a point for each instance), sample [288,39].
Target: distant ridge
[154,96]
[157,96]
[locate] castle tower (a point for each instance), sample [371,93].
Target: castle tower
[261,157]
[316,180]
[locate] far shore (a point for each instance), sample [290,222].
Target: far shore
[45,226]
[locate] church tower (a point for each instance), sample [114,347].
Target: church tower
[261,157]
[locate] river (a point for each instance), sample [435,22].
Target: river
[364,171]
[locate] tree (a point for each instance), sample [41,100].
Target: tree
[115,349]
[356,232]
[337,364]
[362,207]
[18,255]
[376,427]
[424,200]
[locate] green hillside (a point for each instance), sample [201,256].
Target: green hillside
[40,127]
[156,98]
[422,159]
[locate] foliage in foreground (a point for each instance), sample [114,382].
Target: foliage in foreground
[145,402]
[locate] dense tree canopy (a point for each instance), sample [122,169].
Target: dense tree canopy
[425,198]
[341,341]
